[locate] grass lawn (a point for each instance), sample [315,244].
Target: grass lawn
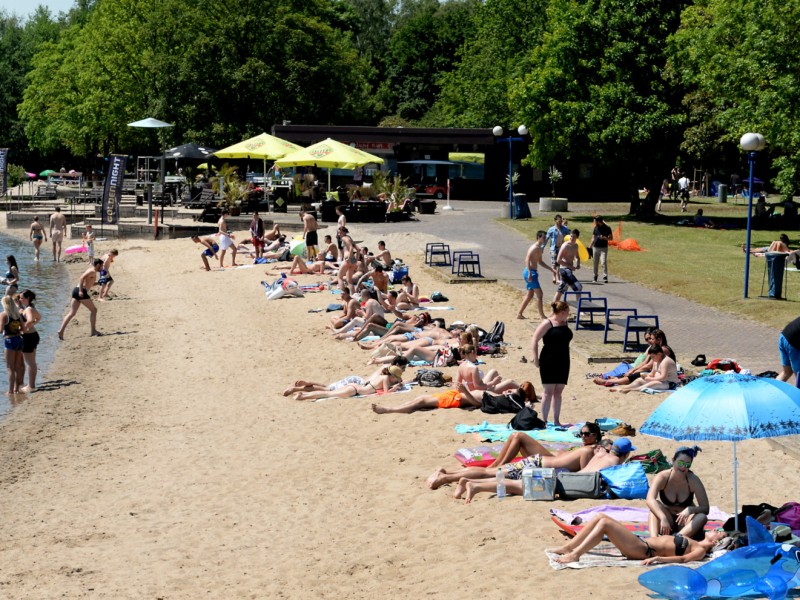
[704,265]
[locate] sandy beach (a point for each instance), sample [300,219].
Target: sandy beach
[162,461]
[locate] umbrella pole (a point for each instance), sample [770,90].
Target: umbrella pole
[735,489]
[266,197]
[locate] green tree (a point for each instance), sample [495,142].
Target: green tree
[595,88]
[741,63]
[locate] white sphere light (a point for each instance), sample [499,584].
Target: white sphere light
[752,142]
[497,130]
[522,130]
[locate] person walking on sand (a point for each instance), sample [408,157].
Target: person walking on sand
[58,225]
[531,275]
[310,233]
[568,261]
[600,237]
[80,296]
[30,338]
[37,234]
[106,280]
[211,248]
[225,240]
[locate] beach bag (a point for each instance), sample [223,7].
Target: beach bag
[527,419]
[429,378]
[487,348]
[573,486]
[496,334]
[627,481]
[438,297]
[789,513]
[444,357]
[493,404]
[652,462]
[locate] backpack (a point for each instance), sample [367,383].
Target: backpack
[444,357]
[495,336]
[652,462]
[527,419]
[429,378]
[502,403]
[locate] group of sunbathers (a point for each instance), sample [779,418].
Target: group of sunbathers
[655,368]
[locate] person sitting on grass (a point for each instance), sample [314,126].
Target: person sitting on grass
[651,551]
[663,376]
[520,443]
[386,380]
[605,455]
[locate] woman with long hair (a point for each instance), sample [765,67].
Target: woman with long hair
[30,338]
[11,322]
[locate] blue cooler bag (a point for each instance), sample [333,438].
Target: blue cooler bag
[627,481]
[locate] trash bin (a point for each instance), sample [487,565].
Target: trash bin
[776,265]
[521,209]
[722,197]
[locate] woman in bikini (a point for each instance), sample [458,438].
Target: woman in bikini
[408,298]
[37,235]
[30,337]
[386,380]
[12,275]
[672,495]
[349,254]
[11,324]
[651,551]
[520,442]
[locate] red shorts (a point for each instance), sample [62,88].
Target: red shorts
[257,243]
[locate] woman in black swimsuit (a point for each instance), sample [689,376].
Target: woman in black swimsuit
[553,364]
[672,496]
[663,549]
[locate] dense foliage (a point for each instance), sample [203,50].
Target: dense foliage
[631,85]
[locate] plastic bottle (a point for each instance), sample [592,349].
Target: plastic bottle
[501,484]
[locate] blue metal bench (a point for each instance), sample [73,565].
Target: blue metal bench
[633,322]
[585,304]
[438,252]
[468,265]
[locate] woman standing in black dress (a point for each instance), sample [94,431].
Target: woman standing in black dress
[553,364]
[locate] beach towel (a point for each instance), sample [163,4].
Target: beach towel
[607,555]
[430,308]
[500,433]
[230,268]
[632,514]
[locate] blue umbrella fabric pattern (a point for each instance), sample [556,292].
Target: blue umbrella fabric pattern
[728,407]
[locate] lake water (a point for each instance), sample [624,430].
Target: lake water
[51,283]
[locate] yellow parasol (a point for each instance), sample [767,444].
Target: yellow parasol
[331,155]
[263,146]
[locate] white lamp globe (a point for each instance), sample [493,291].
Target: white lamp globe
[497,130]
[522,130]
[752,142]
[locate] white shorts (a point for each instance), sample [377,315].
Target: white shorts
[57,236]
[225,242]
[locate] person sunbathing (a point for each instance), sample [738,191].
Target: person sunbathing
[475,379]
[386,380]
[372,312]
[350,308]
[663,376]
[604,455]
[299,266]
[651,551]
[460,397]
[520,443]
[408,298]
[429,336]
[672,495]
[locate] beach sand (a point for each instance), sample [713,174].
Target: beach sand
[161,460]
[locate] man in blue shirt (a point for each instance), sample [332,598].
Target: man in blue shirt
[555,235]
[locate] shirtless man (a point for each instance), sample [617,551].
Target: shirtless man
[568,261]
[531,275]
[350,308]
[664,375]
[383,257]
[225,240]
[310,233]
[380,280]
[58,225]
[349,259]
[80,296]
[36,235]
[106,280]
[330,252]
[273,234]
[211,248]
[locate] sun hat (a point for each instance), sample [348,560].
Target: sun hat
[623,446]
[396,371]
[783,534]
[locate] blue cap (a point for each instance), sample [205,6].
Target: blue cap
[623,446]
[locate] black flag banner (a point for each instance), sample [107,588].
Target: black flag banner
[3,171]
[112,195]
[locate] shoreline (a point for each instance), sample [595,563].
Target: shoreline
[164,461]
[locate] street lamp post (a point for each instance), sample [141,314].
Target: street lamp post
[498,132]
[750,143]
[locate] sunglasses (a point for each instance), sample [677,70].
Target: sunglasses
[685,464]
[586,433]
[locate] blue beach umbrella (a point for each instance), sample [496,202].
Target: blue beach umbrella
[729,407]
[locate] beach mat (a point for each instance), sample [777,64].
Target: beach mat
[500,432]
[604,555]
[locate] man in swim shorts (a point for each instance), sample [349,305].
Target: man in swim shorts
[556,237]
[310,233]
[531,275]
[58,225]
[211,248]
[80,296]
[106,280]
[568,261]
[225,240]
[257,234]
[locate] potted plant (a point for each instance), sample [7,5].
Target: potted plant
[553,203]
[234,191]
